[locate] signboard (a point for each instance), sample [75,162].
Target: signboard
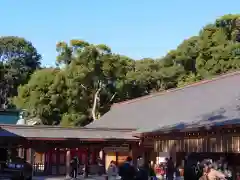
[116,149]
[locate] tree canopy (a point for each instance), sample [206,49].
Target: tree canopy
[89,78]
[18,60]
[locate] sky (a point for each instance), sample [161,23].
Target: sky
[135,28]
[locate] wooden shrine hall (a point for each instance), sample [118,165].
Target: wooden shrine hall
[201,117]
[50,149]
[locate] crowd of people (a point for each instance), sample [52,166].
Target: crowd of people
[207,169]
[143,171]
[127,171]
[204,170]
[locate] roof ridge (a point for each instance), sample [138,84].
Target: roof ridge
[204,81]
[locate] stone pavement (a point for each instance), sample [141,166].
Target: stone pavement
[63,178]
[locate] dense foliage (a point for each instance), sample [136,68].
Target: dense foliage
[90,78]
[18,60]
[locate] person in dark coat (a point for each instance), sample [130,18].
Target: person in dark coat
[170,169]
[192,168]
[142,172]
[74,166]
[126,170]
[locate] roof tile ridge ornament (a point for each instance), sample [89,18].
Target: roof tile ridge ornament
[215,78]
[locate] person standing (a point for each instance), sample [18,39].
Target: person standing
[74,166]
[165,167]
[142,172]
[151,171]
[112,171]
[101,168]
[126,170]
[170,169]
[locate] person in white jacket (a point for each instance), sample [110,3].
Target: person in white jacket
[112,171]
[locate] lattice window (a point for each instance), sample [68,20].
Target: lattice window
[213,144]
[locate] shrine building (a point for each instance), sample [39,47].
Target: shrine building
[203,117]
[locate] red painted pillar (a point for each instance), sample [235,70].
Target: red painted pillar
[58,160]
[86,164]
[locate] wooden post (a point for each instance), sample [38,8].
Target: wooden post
[88,160]
[31,158]
[68,160]
[25,153]
[49,167]
[102,159]
[20,152]
[117,157]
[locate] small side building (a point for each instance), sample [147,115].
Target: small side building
[50,148]
[9,116]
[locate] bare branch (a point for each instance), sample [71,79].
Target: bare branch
[83,87]
[113,96]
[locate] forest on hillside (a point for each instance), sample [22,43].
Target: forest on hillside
[89,78]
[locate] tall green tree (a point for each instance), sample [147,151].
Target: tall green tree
[43,96]
[19,59]
[91,74]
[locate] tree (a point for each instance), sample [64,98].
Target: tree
[90,78]
[92,73]
[40,96]
[19,59]
[82,89]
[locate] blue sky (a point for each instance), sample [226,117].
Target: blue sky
[136,28]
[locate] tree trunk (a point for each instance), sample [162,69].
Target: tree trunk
[96,100]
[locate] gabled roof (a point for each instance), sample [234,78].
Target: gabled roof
[173,106]
[55,132]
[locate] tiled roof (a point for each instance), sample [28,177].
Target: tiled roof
[226,115]
[68,133]
[182,105]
